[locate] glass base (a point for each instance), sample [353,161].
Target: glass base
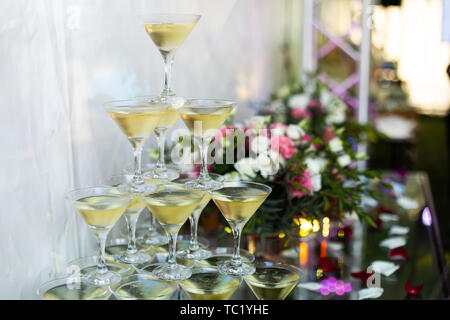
[134,258]
[167,175]
[203,185]
[174,272]
[137,188]
[106,279]
[153,239]
[229,268]
[198,254]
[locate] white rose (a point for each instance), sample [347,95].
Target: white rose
[344,160]
[337,112]
[294,132]
[277,159]
[299,101]
[326,97]
[316,180]
[260,145]
[336,145]
[265,166]
[315,165]
[247,168]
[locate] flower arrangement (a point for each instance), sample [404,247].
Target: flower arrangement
[303,144]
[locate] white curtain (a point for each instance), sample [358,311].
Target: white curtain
[60,60]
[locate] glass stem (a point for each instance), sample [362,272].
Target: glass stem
[193,220]
[131,223]
[204,144]
[172,261]
[168,62]
[161,138]
[237,231]
[137,149]
[152,227]
[101,242]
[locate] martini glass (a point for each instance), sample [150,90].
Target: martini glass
[63,289]
[168,32]
[172,205]
[204,118]
[137,118]
[131,255]
[206,283]
[238,201]
[194,251]
[161,172]
[101,208]
[273,281]
[143,287]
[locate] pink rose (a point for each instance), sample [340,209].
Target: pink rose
[224,131]
[304,181]
[284,145]
[298,113]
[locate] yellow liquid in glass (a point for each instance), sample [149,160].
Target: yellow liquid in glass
[136,124]
[169,36]
[238,204]
[146,290]
[202,121]
[168,119]
[101,211]
[210,286]
[172,207]
[135,207]
[272,283]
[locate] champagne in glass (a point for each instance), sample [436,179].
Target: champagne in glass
[65,289]
[273,281]
[132,255]
[238,201]
[204,118]
[137,118]
[194,251]
[172,205]
[143,287]
[168,32]
[100,208]
[208,284]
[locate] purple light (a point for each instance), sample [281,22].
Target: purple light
[426,217]
[331,285]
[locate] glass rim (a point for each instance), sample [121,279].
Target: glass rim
[208,103]
[158,18]
[172,186]
[141,277]
[71,195]
[45,286]
[279,265]
[137,102]
[182,180]
[228,184]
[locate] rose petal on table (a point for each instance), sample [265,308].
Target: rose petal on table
[313,286]
[370,293]
[393,242]
[326,265]
[361,275]
[388,217]
[399,230]
[398,254]
[386,268]
[413,290]
[407,203]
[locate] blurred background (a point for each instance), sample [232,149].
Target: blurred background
[62,59]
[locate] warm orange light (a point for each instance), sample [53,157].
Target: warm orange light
[303,256]
[326,227]
[316,225]
[251,245]
[323,248]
